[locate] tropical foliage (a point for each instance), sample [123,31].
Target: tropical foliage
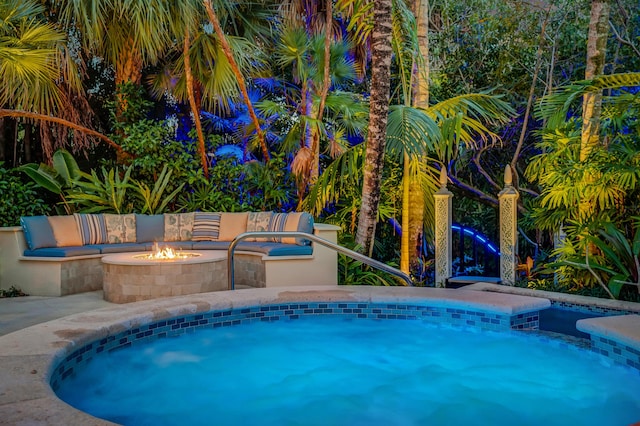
[135,106]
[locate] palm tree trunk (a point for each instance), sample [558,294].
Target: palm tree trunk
[236,70]
[596,50]
[378,115]
[326,82]
[413,205]
[195,110]
[592,102]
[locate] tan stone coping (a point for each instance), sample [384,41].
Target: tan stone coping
[28,356]
[620,328]
[557,297]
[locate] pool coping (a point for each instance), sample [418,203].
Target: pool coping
[29,355]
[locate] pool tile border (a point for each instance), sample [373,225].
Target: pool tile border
[177,326]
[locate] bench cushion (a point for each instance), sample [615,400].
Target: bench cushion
[276,249]
[62,251]
[119,248]
[65,230]
[149,228]
[270,249]
[37,232]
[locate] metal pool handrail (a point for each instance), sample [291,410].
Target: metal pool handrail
[352,254]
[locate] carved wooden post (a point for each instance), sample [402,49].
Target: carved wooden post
[508,199]
[443,219]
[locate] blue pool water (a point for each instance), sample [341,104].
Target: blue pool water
[336,371]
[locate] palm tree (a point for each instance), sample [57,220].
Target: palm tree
[40,78]
[305,58]
[381,53]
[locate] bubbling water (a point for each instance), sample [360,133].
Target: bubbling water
[334,371]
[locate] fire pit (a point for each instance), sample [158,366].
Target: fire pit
[131,277]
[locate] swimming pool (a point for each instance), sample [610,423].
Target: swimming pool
[38,357]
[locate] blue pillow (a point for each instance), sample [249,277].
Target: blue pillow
[37,232]
[149,228]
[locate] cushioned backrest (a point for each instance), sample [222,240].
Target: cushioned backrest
[121,228]
[149,228]
[178,226]
[65,230]
[257,222]
[232,225]
[298,221]
[206,226]
[37,232]
[92,228]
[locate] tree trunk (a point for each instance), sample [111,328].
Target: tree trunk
[592,102]
[421,97]
[596,50]
[381,52]
[326,82]
[236,71]
[195,109]
[413,207]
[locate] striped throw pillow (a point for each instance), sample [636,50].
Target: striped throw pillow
[93,229]
[288,222]
[206,226]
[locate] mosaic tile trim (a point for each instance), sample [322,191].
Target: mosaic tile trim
[589,309]
[385,311]
[618,352]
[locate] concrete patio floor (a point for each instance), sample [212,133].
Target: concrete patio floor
[17,313]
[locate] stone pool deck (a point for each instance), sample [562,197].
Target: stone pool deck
[27,356]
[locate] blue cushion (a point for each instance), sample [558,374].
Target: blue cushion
[37,232]
[149,228]
[277,249]
[119,248]
[270,249]
[211,245]
[62,251]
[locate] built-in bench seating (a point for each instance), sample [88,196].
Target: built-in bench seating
[58,255]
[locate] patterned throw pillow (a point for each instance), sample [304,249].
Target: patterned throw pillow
[258,222]
[178,226]
[301,222]
[93,229]
[121,228]
[65,230]
[206,226]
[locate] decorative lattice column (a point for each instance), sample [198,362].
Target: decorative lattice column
[508,199]
[443,219]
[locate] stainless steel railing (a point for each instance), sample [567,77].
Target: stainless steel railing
[352,254]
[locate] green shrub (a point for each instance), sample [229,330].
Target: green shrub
[19,198]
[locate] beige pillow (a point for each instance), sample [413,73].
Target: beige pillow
[121,228]
[178,226]
[65,231]
[231,225]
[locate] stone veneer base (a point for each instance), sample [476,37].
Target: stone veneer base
[128,278]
